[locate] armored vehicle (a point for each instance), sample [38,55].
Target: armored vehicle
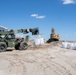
[8,39]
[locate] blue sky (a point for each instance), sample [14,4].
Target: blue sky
[45,14]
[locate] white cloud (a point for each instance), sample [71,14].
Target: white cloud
[37,16]
[68,1]
[34,15]
[40,17]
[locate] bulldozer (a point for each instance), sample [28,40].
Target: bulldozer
[8,39]
[53,36]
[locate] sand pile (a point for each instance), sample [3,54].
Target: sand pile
[50,59]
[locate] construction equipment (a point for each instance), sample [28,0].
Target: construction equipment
[53,36]
[8,39]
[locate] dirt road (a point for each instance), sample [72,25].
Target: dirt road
[51,61]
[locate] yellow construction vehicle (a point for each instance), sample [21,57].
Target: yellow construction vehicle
[53,36]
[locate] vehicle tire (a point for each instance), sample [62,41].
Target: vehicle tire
[3,46]
[23,46]
[17,46]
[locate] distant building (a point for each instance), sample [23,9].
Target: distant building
[2,28]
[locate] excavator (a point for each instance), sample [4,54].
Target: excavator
[8,39]
[53,36]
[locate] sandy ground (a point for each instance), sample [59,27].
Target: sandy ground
[47,60]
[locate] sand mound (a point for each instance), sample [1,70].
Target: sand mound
[49,59]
